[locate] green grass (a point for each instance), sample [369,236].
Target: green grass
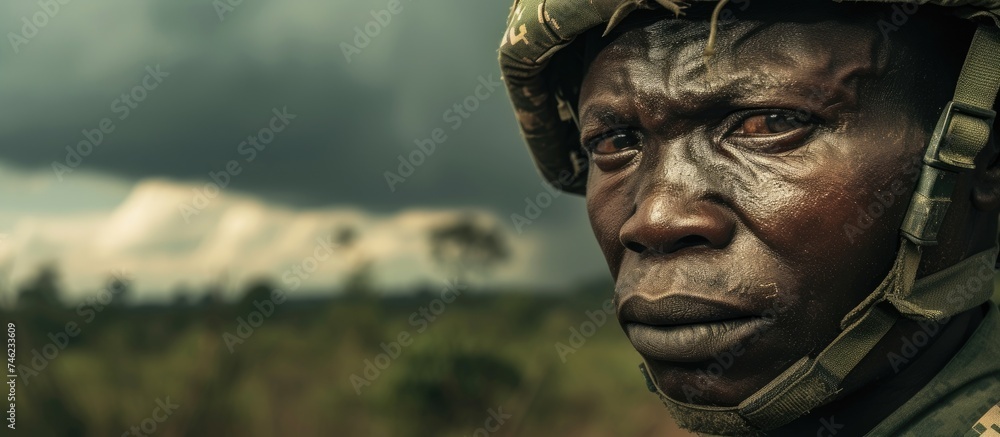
[291,377]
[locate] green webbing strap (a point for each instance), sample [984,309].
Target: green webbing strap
[819,379]
[980,78]
[811,382]
[969,284]
[961,133]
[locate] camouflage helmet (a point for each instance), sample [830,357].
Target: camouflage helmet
[537,30]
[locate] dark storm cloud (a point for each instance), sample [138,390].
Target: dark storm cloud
[225,77]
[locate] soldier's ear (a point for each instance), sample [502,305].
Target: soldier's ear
[986,191]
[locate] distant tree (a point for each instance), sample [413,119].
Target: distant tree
[468,245]
[42,290]
[120,289]
[39,298]
[346,236]
[8,295]
[258,291]
[359,283]
[182,296]
[211,297]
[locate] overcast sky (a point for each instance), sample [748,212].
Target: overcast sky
[208,81]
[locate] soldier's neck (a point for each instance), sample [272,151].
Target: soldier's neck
[898,367]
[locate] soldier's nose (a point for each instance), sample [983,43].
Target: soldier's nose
[666,223]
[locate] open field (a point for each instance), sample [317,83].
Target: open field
[480,356]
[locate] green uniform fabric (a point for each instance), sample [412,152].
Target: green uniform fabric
[967,387]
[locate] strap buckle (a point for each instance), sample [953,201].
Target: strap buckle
[937,149]
[942,165]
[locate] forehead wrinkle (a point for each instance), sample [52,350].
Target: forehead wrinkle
[659,71]
[625,88]
[825,71]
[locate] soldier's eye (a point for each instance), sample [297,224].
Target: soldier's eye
[769,124]
[769,131]
[613,142]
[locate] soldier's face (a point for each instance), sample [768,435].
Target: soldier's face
[744,209]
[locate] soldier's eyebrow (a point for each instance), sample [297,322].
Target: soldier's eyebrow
[604,115]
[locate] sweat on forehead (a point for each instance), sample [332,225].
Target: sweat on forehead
[660,27]
[662,72]
[817,31]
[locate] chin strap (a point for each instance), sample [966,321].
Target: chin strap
[961,133]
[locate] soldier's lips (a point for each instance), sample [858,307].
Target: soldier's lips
[692,342]
[687,328]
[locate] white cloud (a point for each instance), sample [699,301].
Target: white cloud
[234,238]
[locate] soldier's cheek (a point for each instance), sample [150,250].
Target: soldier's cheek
[608,211]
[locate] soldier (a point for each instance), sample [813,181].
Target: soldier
[798,200]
